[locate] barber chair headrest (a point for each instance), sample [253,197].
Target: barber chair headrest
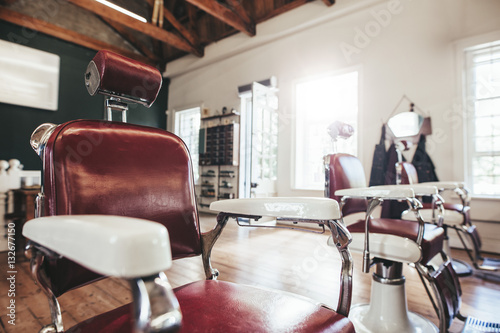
[114,75]
[339,129]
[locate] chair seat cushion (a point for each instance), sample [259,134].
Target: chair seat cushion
[455,215]
[404,235]
[218,306]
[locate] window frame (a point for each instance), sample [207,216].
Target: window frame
[467,149]
[174,127]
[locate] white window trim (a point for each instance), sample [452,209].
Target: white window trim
[460,163]
[359,69]
[170,126]
[170,113]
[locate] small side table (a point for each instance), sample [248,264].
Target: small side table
[24,210]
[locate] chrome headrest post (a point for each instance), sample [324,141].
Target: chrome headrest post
[114,104]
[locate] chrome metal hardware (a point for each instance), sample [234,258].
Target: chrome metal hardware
[40,136]
[389,273]
[37,258]
[372,204]
[40,204]
[342,238]
[415,206]
[208,240]
[115,104]
[155,307]
[92,78]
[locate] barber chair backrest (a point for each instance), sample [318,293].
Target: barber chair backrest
[408,173]
[345,171]
[102,167]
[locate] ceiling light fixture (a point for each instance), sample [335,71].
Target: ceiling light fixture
[123,10]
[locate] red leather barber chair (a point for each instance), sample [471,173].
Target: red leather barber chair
[128,185]
[386,245]
[456,217]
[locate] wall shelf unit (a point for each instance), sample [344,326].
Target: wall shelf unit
[219,159]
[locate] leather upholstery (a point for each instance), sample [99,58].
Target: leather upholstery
[96,167]
[228,307]
[433,235]
[117,320]
[124,76]
[346,171]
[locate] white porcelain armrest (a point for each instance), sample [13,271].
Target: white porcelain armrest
[418,189]
[289,207]
[109,245]
[383,192]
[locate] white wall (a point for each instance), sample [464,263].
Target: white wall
[409,50]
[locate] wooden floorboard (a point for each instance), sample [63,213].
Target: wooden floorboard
[294,261]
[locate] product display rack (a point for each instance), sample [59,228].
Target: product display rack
[219,157]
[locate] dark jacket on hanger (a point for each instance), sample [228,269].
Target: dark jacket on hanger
[423,163]
[379,163]
[392,209]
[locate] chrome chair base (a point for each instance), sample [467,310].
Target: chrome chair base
[389,313]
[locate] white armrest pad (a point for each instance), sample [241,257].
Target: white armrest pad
[383,192]
[418,189]
[109,245]
[292,207]
[445,185]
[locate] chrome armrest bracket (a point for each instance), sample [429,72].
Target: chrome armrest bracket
[342,238]
[37,255]
[415,206]
[208,240]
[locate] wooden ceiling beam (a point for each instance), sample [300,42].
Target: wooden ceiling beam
[191,13]
[134,41]
[188,35]
[283,9]
[226,15]
[329,2]
[242,13]
[146,28]
[34,24]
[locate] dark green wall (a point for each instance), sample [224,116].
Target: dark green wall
[18,122]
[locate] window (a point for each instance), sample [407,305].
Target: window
[187,127]
[483,118]
[318,103]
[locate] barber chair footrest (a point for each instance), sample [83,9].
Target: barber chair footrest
[491,264]
[474,325]
[461,268]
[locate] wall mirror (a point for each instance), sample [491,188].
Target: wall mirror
[405,124]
